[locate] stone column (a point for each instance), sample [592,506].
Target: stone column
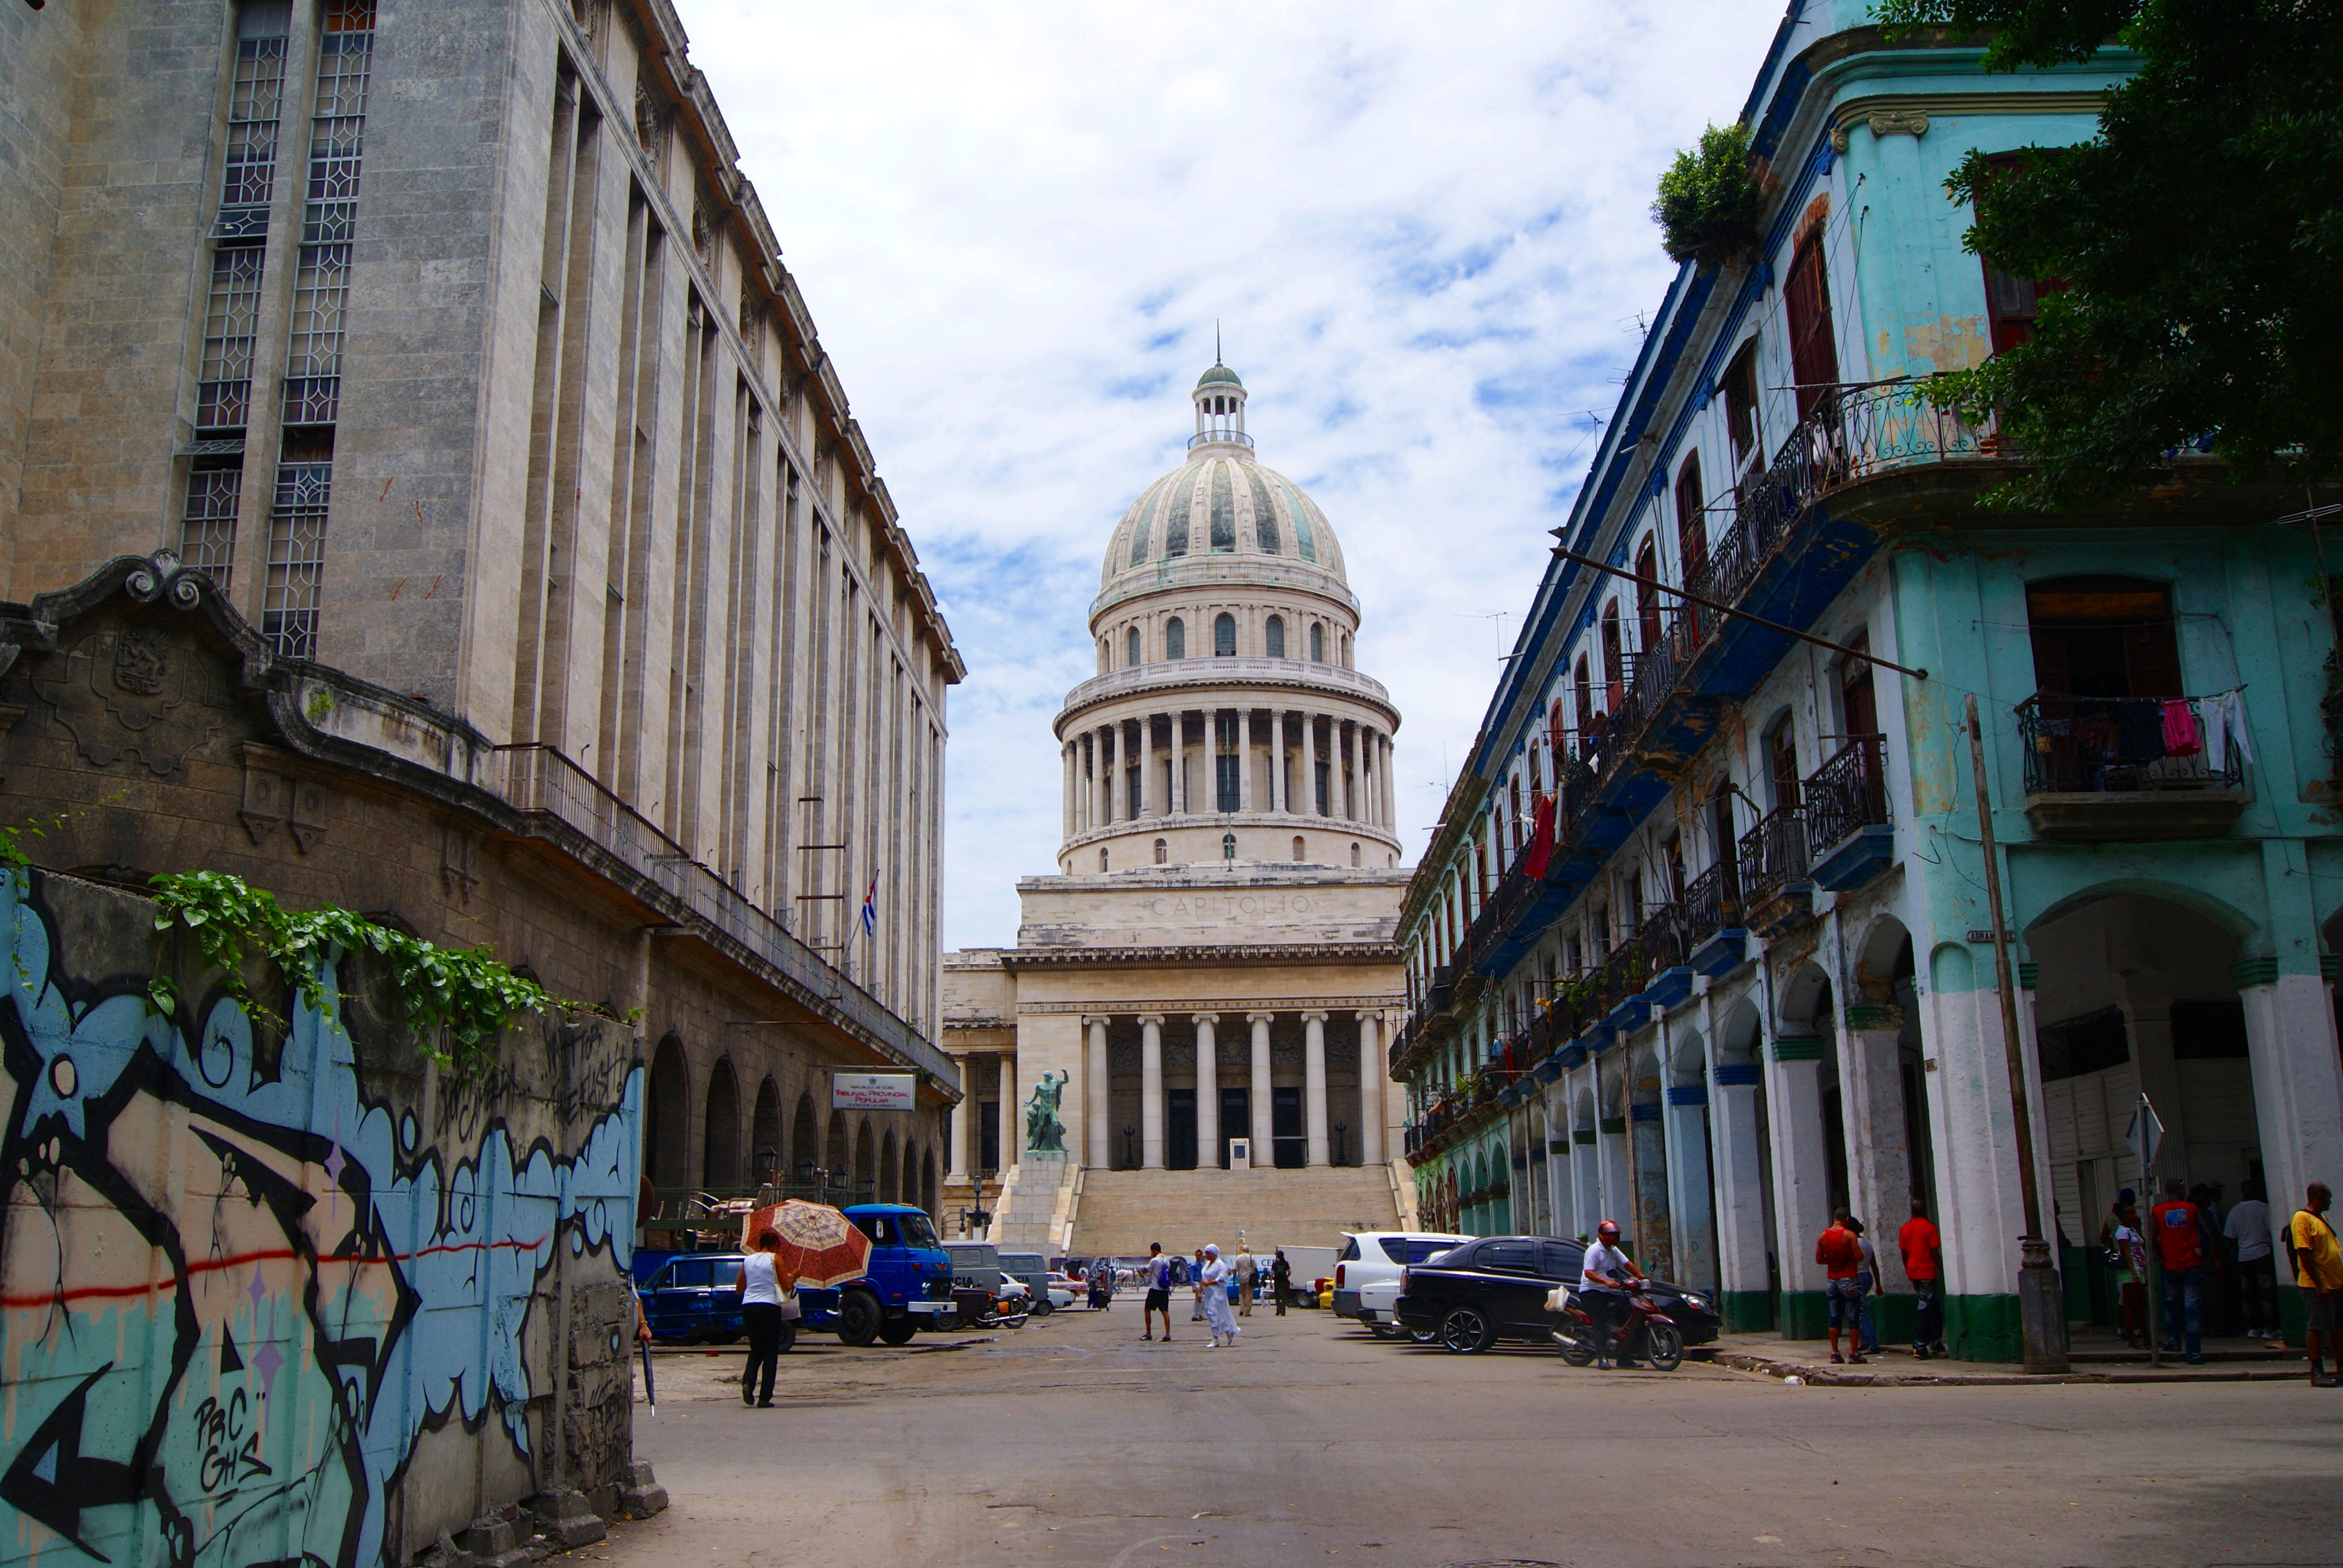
[1208,1092]
[1346,772]
[1871,1098]
[1099,1138]
[1148,806]
[1179,762]
[1102,786]
[962,1113]
[1264,1143]
[1371,1077]
[1309,765]
[1244,759]
[2298,1086]
[1391,786]
[1314,1084]
[1012,1130]
[1151,1090]
[1688,1185]
[1802,1206]
[1279,791]
[1067,809]
[1745,1296]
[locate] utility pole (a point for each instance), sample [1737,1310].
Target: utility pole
[2041,1300]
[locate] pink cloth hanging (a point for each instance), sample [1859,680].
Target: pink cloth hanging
[2180,737]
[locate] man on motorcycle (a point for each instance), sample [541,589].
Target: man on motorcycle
[1604,1278]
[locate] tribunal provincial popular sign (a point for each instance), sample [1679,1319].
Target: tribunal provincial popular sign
[873,1090]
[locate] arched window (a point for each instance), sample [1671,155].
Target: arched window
[1615,659]
[1162,851]
[1276,636]
[1647,597]
[1355,854]
[1346,650]
[1132,646]
[1224,635]
[1585,690]
[1101,860]
[1297,846]
[1228,845]
[1175,638]
[1317,645]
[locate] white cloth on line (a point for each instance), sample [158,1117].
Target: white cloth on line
[2224,719]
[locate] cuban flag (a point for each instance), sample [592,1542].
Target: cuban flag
[870,907]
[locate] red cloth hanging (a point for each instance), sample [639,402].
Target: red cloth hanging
[1540,838]
[2180,737]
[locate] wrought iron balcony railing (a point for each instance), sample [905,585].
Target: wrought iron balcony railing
[1848,793]
[1774,855]
[2076,745]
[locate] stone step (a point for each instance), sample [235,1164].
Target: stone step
[1122,1211]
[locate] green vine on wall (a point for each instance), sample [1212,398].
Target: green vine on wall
[457,1000]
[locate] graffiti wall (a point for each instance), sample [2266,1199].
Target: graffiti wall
[272,1293]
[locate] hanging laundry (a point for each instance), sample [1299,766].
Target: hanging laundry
[2180,728]
[2141,726]
[2225,724]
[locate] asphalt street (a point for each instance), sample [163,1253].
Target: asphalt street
[1071,1441]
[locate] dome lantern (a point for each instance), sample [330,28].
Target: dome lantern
[1220,399]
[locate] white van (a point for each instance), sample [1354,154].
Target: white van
[1366,1274]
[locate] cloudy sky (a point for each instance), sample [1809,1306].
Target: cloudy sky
[1422,227]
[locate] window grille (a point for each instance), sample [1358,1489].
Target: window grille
[321,284]
[223,392]
[256,100]
[208,526]
[296,558]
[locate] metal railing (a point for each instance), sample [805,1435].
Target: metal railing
[538,778]
[2079,744]
[1712,902]
[1774,855]
[1663,938]
[1846,793]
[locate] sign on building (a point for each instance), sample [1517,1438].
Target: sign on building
[873,1090]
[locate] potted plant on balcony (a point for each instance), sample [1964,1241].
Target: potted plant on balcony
[1709,200]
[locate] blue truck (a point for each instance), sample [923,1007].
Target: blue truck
[907,1284]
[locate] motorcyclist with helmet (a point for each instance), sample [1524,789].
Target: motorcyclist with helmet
[1604,1279]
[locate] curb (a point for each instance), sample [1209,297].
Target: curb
[1836,1377]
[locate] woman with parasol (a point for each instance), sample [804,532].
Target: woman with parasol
[764,1284]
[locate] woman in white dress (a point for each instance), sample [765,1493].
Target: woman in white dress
[1223,1321]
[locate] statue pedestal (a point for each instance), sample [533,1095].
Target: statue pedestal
[1032,1215]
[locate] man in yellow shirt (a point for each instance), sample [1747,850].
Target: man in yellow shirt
[2318,1269]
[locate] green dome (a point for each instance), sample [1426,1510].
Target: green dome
[1219,376]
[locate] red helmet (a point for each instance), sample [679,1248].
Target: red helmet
[1608,1230]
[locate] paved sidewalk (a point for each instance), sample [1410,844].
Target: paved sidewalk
[2096,1360]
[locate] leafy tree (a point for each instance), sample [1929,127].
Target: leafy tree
[2197,238]
[1708,203]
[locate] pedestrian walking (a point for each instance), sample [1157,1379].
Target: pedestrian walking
[2247,1232]
[1280,1278]
[2179,1231]
[1196,1286]
[761,1288]
[1159,1292]
[2318,1269]
[1246,1271]
[1868,1284]
[1216,1300]
[1924,1265]
[2128,1254]
[1841,1257]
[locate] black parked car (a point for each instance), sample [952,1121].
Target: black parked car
[1494,1289]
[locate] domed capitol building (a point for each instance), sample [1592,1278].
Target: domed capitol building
[1203,993]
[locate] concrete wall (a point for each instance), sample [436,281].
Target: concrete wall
[275,1290]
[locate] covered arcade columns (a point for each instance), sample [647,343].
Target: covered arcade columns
[1744,1284]
[1801,1181]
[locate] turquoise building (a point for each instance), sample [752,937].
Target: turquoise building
[1702,942]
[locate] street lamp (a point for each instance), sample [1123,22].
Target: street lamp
[1340,1128]
[1130,1159]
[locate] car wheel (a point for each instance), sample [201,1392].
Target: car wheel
[1467,1331]
[1424,1336]
[858,1318]
[899,1331]
[1044,1309]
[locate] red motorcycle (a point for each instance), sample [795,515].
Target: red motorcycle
[1649,1334]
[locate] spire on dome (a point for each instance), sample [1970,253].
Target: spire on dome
[1220,399]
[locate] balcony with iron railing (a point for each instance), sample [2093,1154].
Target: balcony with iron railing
[2106,769]
[1845,802]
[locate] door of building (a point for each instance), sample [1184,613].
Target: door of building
[1180,1129]
[1236,1121]
[1285,1128]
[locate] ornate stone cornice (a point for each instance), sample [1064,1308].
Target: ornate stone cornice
[1198,956]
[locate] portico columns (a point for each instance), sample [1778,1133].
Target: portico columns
[1010,1133]
[1208,1092]
[958,1170]
[1371,1089]
[1314,1084]
[1279,790]
[1151,1090]
[1264,1140]
[1097,1145]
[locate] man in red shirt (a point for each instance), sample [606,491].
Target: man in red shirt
[1924,1265]
[1841,1256]
[2178,1232]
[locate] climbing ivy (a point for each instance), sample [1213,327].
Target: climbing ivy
[456,998]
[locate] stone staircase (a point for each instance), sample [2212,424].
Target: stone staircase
[1121,1212]
[1036,1208]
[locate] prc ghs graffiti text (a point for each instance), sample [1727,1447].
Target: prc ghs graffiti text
[243,1294]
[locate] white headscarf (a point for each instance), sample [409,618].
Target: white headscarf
[1211,1250]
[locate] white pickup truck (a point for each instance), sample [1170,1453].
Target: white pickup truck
[1366,1274]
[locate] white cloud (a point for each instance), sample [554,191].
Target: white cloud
[1425,230]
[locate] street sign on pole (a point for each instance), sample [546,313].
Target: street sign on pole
[2146,1136]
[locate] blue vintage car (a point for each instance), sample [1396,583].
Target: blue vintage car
[906,1283]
